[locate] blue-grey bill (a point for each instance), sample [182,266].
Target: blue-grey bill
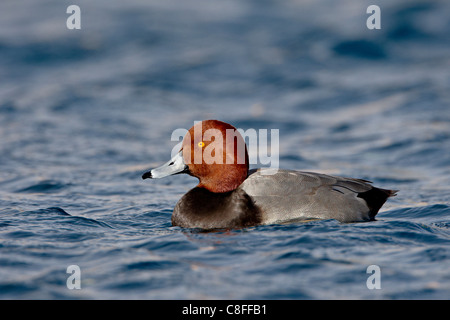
[173,166]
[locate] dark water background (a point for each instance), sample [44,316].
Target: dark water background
[84,112]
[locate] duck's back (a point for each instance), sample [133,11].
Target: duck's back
[289,194]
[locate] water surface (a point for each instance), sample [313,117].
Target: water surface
[83,113]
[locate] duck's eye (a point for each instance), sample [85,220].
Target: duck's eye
[201,144]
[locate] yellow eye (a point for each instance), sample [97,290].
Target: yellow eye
[201,144]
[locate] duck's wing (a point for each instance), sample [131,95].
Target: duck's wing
[290,194]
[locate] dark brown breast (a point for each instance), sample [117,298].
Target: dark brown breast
[200,208]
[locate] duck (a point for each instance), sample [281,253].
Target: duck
[231,196]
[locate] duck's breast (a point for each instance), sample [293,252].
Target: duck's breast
[200,208]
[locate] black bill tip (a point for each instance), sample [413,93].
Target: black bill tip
[147,175]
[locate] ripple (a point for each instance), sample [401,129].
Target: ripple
[360,48]
[46,186]
[435,210]
[18,234]
[152,265]
[54,212]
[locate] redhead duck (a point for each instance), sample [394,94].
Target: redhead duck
[229,195]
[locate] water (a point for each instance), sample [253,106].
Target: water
[83,113]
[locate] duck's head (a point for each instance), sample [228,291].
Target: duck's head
[214,152]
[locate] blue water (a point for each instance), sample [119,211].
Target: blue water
[83,113]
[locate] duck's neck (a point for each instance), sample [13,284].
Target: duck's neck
[224,180]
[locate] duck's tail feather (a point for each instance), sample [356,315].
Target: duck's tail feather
[375,198]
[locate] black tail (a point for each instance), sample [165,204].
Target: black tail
[375,198]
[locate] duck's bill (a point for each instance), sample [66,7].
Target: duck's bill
[173,166]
